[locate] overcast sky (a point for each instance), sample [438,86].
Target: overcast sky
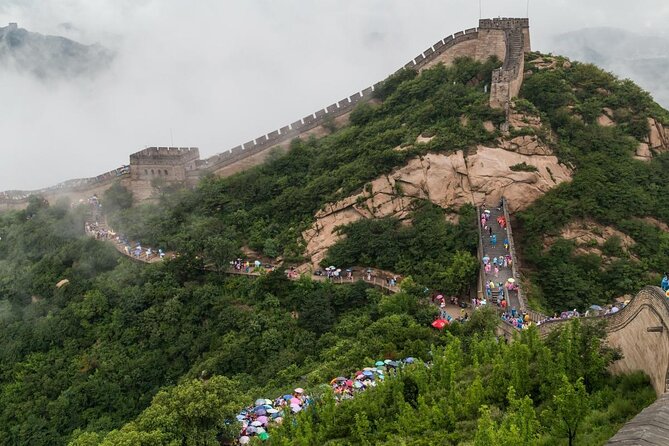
[216,73]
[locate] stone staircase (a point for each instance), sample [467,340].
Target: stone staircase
[495,251]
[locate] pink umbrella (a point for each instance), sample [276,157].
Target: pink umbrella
[295,408]
[295,401]
[263,420]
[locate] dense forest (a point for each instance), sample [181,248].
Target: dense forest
[166,354]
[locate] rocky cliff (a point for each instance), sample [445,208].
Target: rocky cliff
[449,180]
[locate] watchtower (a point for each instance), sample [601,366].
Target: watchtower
[167,163]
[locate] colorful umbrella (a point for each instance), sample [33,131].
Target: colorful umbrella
[379,363]
[440,324]
[263,420]
[295,401]
[264,436]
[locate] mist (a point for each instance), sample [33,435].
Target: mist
[214,74]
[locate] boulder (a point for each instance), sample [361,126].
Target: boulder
[605,121]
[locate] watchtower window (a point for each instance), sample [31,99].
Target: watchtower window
[160,172]
[152,173]
[166,172]
[146,172]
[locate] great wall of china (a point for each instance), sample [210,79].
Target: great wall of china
[506,38]
[640,330]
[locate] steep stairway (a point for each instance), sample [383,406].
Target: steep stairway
[498,250]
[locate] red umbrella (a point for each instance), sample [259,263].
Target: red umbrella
[440,324]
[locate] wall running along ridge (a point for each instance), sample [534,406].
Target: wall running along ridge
[506,38]
[640,331]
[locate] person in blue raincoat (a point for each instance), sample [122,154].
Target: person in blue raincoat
[665,282]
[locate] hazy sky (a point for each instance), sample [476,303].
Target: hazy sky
[216,73]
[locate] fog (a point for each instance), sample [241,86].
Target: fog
[214,73]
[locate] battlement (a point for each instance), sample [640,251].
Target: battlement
[505,38]
[504,23]
[13,26]
[151,154]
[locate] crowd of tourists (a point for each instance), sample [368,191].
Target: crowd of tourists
[135,250]
[349,274]
[257,418]
[346,388]
[99,231]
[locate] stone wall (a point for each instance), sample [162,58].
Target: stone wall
[641,332]
[184,165]
[490,38]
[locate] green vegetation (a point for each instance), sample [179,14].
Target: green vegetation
[608,187]
[438,254]
[479,391]
[165,354]
[524,167]
[92,355]
[268,207]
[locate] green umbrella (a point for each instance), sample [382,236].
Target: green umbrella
[263,436]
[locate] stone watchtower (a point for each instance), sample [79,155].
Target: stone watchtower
[507,80]
[170,164]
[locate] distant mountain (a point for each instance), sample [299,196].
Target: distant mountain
[644,59]
[48,57]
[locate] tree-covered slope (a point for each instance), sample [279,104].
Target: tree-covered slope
[127,353]
[609,187]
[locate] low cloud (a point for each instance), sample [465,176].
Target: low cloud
[214,74]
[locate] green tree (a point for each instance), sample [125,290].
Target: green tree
[486,430]
[570,407]
[117,198]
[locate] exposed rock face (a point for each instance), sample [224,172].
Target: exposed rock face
[658,137]
[643,152]
[605,121]
[589,237]
[657,141]
[526,145]
[448,181]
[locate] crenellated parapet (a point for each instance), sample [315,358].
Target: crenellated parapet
[505,38]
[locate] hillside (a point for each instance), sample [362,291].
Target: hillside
[642,58]
[49,57]
[168,353]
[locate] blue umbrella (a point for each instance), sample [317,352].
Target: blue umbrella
[261,411]
[409,360]
[287,397]
[596,307]
[379,363]
[368,373]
